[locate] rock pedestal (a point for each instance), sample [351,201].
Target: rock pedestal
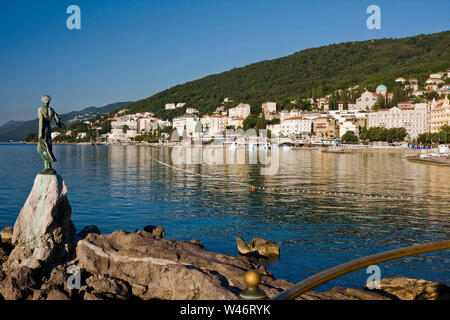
[43,226]
[45,210]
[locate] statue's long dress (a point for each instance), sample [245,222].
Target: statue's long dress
[44,146]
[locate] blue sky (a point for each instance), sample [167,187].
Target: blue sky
[132,49]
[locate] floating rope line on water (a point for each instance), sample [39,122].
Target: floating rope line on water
[254,188]
[199,174]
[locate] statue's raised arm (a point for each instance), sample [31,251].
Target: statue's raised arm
[46,115]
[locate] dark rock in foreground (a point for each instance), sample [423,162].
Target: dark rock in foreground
[138,265]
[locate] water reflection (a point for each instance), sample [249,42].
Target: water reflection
[121,187]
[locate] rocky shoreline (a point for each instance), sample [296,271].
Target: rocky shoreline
[43,258]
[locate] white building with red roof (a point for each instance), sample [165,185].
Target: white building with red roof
[414,118]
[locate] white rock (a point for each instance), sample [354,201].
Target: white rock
[46,209]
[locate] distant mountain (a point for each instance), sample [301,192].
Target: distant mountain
[310,72]
[18,130]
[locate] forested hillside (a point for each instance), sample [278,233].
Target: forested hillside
[310,72]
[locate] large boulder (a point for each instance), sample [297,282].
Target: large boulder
[18,284]
[43,228]
[99,287]
[259,247]
[413,289]
[157,231]
[46,209]
[167,269]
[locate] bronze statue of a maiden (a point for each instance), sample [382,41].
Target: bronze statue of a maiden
[46,115]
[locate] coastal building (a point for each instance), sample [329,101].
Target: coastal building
[296,126]
[405,104]
[294,113]
[235,122]
[437,75]
[81,135]
[143,115]
[185,124]
[415,119]
[365,102]
[326,127]
[343,115]
[322,103]
[146,124]
[240,111]
[170,106]
[434,81]
[400,79]
[271,116]
[269,107]
[123,129]
[164,123]
[310,114]
[214,125]
[128,121]
[191,111]
[284,114]
[55,134]
[432,87]
[180,105]
[444,90]
[275,129]
[439,114]
[349,125]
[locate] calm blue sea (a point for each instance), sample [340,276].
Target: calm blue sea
[121,187]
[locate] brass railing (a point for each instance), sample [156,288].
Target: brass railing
[340,270]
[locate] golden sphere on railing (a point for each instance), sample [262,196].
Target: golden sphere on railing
[252,278]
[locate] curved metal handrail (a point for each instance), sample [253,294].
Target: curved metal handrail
[342,269]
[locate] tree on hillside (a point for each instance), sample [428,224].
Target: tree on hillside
[339,66]
[250,121]
[380,103]
[399,94]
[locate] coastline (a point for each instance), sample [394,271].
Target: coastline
[320,148]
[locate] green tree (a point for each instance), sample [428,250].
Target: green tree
[444,133]
[250,121]
[349,137]
[32,137]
